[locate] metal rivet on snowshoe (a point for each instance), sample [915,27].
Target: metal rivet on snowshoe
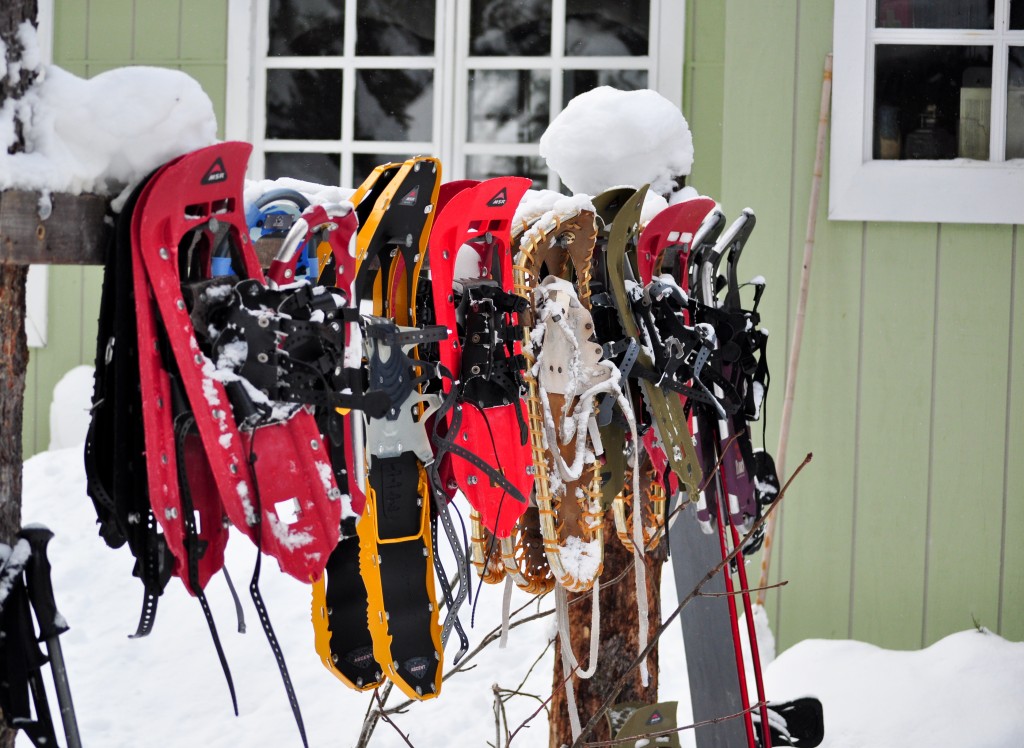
[164,254]
[234,469]
[444,254]
[425,553]
[472,480]
[159,402]
[474,369]
[314,444]
[334,657]
[394,251]
[218,414]
[465,437]
[288,273]
[171,513]
[199,359]
[408,240]
[475,338]
[262,357]
[430,606]
[163,459]
[263,322]
[180,304]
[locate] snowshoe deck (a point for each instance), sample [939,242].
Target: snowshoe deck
[197,199]
[482,351]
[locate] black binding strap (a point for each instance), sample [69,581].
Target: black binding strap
[261,608]
[184,424]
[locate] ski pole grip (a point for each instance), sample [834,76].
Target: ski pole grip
[40,587]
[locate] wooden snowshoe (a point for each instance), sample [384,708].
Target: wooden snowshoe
[562,373]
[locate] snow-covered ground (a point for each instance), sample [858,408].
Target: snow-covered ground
[168,690]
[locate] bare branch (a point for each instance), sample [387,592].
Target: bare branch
[745,591]
[384,715]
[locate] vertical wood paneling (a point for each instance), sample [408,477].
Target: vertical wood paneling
[1011,618]
[816,548]
[758,110]
[70,31]
[109,26]
[157,28]
[213,79]
[204,29]
[704,92]
[965,513]
[895,412]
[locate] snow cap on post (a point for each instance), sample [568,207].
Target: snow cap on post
[606,137]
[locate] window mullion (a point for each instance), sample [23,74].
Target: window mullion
[997,109]
[348,95]
[557,67]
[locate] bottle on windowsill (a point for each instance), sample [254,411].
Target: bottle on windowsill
[929,141]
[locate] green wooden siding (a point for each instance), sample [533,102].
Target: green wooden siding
[90,37]
[904,528]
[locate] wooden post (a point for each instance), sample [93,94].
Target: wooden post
[619,636]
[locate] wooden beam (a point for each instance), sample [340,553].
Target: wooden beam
[75,233]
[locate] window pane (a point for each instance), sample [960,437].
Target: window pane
[394,104]
[304,104]
[1017,14]
[932,101]
[1015,104]
[486,167]
[508,106]
[321,168]
[395,27]
[576,82]
[500,27]
[300,28]
[607,27]
[364,163]
[935,14]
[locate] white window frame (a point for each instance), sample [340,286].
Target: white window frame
[247,65]
[954,191]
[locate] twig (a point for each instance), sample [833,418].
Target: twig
[674,730]
[371,718]
[543,705]
[745,591]
[535,663]
[384,715]
[712,573]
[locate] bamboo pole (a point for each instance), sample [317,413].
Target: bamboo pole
[801,312]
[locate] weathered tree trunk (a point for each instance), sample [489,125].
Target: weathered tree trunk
[13,345]
[618,640]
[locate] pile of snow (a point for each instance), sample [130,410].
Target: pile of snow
[606,137]
[101,134]
[69,410]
